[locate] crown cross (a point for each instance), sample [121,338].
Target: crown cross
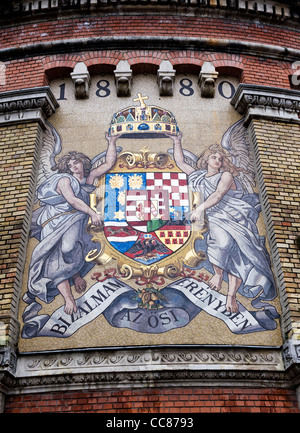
[140,99]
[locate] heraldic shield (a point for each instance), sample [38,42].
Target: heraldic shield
[145,214]
[145,207]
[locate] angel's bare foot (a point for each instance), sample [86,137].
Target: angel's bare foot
[215,282]
[231,304]
[234,283]
[79,283]
[65,289]
[70,306]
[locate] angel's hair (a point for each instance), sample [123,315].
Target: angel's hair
[227,165]
[62,164]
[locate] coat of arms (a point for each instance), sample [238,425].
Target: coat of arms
[146,203]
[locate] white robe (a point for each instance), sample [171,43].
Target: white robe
[233,242]
[64,242]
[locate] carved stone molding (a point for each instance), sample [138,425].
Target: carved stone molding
[252,100]
[145,367]
[26,105]
[155,377]
[149,379]
[138,367]
[149,359]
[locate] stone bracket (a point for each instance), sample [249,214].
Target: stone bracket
[123,78]
[207,80]
[166,78]
[81,80]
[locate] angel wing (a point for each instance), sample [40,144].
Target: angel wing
[236,142]
[51,146]
[189,157]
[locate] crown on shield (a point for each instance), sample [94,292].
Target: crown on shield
[151,120]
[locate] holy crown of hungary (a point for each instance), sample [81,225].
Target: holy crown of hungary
[153,120]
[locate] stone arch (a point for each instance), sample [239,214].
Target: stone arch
[144,68]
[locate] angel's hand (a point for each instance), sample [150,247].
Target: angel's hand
[197,214]
[112,138]
[97,219]
[176,138]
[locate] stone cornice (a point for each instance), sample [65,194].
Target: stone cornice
[157,379]
[162,366]
[252,100]
[26,105]
[142,367]
[150,42]
[147,359]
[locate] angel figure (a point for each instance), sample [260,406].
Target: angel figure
[59,224]
[225,176]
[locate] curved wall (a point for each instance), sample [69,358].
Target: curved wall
[251,50]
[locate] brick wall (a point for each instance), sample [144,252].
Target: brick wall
[172,24]
[277,149]
[177,400]
[18,147]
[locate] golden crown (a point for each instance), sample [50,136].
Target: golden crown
[151,120]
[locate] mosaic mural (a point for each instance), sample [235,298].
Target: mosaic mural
[148,240]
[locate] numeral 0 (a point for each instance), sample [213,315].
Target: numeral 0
[231,89]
